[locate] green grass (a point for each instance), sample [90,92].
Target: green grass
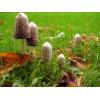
[38,74]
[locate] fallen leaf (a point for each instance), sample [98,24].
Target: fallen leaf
[11,60]
[85,37]
[72,78]
[93,37]
[78,62]
[64,80]
[68,79]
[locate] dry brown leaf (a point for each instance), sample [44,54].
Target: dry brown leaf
[72,78]
[68,79]
[93,37]
[78,62]
[85,37]
[64,80]
[11,60]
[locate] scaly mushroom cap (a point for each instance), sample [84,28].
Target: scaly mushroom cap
[21,27]
[46,54]
[33,30]
[61,60]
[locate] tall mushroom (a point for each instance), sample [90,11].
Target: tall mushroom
[32,41]
[21,29]
[46,54]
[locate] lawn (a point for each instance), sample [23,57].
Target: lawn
[50,24]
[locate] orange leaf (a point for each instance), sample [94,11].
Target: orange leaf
[11,60]
[14,58]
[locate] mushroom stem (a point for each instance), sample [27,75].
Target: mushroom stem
[23,44]
[31,51]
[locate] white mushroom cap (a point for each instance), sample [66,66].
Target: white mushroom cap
[60,35]
[22,15]
[46,52]
[61,60]
[77,38]
[33,28]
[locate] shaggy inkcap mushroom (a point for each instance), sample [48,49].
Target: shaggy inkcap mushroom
[77,38]
[21,29]
[33,30]
[46,55]
[61,60]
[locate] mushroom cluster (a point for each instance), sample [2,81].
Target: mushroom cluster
[25,31]
[28,33]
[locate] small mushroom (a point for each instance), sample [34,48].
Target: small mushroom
[61,60]
[46,55]
[21,29]
[32,41]
[60,35]
[77,39]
